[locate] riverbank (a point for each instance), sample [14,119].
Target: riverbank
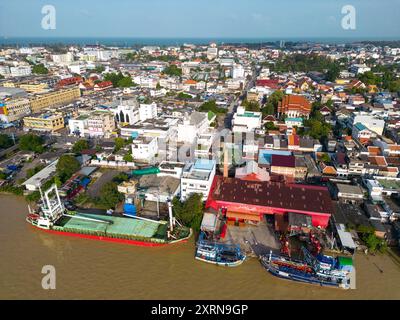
[87,269]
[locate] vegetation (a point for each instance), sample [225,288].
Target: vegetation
[251,105]
[317,127]
[271,106]
[109,195]
[372,242]
[99,69]
[305,63]
[32,171]
[173,70]
[119,80]
[5,141]
[190,212]
[121,143]
[31,142]
[17,190]
[270,126]
[67,165]
[212,106]
[39,69]
[182,95]
[128,158]
[80,145]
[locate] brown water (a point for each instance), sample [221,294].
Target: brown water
[88,269]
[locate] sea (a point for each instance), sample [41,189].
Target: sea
[142,41]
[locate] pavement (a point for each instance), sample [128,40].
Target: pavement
[255,240]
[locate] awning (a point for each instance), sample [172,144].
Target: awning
[346,239]
[243,216]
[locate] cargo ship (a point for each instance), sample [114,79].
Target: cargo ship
[52,217]
[320,270]
[220,254]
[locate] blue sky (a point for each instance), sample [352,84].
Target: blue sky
[201,18]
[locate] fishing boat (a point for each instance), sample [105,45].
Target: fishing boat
[52,217]
[321,270]
[220,254]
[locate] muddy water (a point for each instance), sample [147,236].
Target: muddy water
[100,270]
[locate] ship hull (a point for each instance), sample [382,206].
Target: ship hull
[109,239]
[299,278]
[219,263]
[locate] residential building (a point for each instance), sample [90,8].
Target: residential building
[197,178]
[49,122]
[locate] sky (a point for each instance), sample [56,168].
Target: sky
[201,18]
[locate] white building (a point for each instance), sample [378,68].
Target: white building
[144,148]
[237,71]
[147,111]
[62,59]
[197,178]
[20,71]
[192,126]
[374,124]
[246,121]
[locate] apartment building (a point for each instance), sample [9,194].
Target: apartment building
[48,122]
[14,110]
[58,97]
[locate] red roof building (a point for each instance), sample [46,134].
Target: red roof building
[294,106]
[103,85]
[244,200]
[68,81]
[268,83]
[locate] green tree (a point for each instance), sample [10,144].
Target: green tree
[189,212]
[270,126]
[31,142]
[128,158]
[251,105]
[109,195]
[99,69]
[80,145]
[40,69]
[211,105]
[125,82]
[5,141]
[172,70]
[66,166]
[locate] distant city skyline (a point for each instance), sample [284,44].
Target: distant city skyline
[201,19]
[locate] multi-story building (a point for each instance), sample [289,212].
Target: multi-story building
[144,148]
[246,121]
[100,123]
[54,98]
[20,71]
[197,178]
[45,122]
[147,111]
[14,109]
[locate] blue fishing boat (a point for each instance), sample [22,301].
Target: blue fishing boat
[220,254]
[321,270]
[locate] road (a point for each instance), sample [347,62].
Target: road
[227,123]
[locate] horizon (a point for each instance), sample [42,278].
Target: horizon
[189,19]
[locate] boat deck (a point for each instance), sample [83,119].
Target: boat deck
[114,226]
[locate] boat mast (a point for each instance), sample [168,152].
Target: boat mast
[171,218]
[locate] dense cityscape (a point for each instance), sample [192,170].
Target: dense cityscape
[285,152]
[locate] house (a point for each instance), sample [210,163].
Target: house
[246,121]
[144,148]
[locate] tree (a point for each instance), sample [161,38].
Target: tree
[270,126]
[251,105]
[109,195]
[80,145]
[211,105]
[99,69]
[5,141]
[31,142]
[269,109]
[189,212]
[40,69]
[125,82]
[173,70]
[128,158]
[66,166]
